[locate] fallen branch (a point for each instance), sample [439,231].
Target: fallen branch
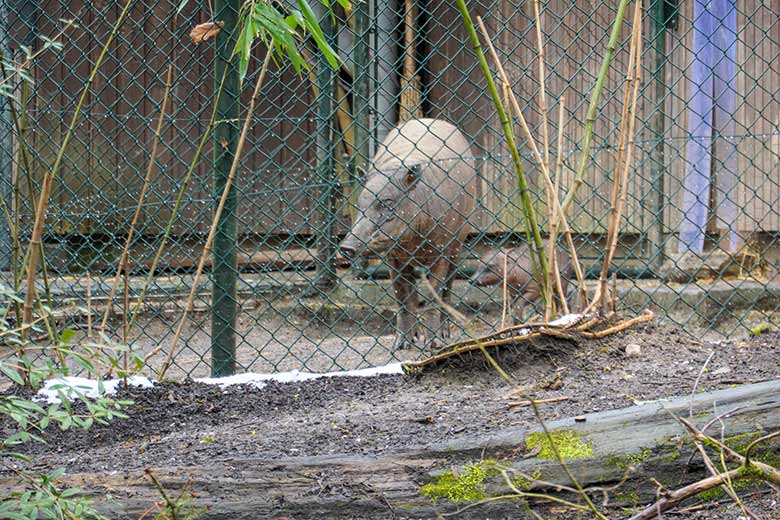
[527,332]
[529,402]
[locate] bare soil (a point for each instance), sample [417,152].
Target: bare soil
[190,423]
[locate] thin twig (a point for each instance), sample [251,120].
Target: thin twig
[522,404]
[218,213]
[755,443]
[89,306]
[48,179]
[150,168]
[537,156]
[696,383]
[172,506]
[646,316]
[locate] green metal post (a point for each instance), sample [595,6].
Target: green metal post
[360,102]
[6,159]
[657,98]
[327,241]
[225,272]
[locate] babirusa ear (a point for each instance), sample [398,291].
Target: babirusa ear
[413,175]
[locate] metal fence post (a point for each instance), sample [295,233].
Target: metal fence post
[225,273]
[361,102]
[6,154]
[657,129]
[326,172]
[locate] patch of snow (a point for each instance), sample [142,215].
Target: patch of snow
[295,376]
[567,319]
[71,385]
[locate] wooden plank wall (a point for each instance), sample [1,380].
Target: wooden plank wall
[576,36]
[757,117]
[105,165]
[104,168]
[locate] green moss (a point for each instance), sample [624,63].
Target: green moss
[741,441]
[760,329]
[671,456]
[568,442]
[623,462]
[627,498]
[712,494]
[525,484]
[466,487]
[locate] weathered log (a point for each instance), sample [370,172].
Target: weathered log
[599,450]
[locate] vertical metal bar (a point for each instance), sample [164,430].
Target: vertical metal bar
[6,154]
[224,273]
[326,172]
[360,103]
[656,100]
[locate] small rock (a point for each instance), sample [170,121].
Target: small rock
[721,371]
[633,350]
[580,418]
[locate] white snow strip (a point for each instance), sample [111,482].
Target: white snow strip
[567,319]
[89,387]
[70,385]
[295,376]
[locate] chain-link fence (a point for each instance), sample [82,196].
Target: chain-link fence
[703,178]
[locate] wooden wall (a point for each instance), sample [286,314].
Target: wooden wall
[757,117]
[104,167]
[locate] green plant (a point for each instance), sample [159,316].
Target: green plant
[25,420]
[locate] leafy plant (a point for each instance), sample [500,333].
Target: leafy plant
[279,25]
[24,420]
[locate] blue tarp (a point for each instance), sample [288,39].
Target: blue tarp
[711,125]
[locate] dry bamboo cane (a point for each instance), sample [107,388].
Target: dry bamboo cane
[590,118]
[631,126]
[532,232]
[549,308]
[123,260]
[621,174]
[48,178]
[139,301]
[542,89]
[217,214]
[538,157]
[556,190]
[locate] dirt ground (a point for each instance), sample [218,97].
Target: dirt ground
[190,423]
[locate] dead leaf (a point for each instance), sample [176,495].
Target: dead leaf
[224,143]
[204,31]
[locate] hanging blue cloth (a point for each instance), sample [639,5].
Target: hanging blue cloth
[712,100]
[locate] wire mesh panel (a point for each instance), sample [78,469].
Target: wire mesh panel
[339,215]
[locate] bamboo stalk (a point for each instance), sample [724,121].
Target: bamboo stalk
[622,167]
[123,260]
[89,306]
[125,308]
[410,84]
[504,301]
[48,179]
[536,154]
[632,123]
[218,213]
[18,275]
[556,190]
[177,205]
[542,89]
[532,228]
[590,119]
